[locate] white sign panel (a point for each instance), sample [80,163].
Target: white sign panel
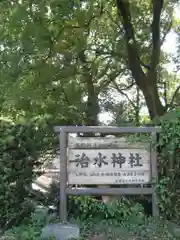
[104,143]
[108,166]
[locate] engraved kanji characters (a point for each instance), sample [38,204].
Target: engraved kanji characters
[100,159]
[134,160]
[81,160]
[118,159]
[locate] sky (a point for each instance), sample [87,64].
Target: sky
[169,46]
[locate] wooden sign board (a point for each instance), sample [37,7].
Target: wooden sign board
[105,161]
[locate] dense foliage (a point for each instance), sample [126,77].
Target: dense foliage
[72,60]
[65,63]
[130,224]
[169,165]
[21,145]
[88,208]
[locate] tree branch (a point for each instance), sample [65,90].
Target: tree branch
[116,54]
[174,96]
[123,93]
[166,33]
[133,55]
[128,87]
[106,52]
[143,64]
[111,78]
[157,6]
[116,23]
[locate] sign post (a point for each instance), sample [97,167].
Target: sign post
[106,161]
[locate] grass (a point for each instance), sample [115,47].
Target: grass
[149,229]
[135,226]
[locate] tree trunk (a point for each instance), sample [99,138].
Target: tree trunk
[137,108]
[145,80]
[92,110]
[92,107]
[153,102]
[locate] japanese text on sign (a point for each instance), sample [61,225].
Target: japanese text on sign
[108,166]
[117,159]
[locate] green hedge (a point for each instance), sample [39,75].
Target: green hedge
[86,208]
[20,146]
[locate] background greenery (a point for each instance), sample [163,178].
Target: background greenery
[66,63]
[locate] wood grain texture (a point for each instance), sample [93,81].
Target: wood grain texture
[107,166]
[63,176]
[154,172]
[105,129]
[103,143]
[109,191]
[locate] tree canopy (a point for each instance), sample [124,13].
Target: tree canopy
[72,60]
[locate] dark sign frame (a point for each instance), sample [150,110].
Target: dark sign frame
[63,132]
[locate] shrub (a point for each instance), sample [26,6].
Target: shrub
[20,147]
[169,166]
[149,229]
[85,207]
[32,229]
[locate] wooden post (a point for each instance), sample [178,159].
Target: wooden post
[154,175]
[63,175]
